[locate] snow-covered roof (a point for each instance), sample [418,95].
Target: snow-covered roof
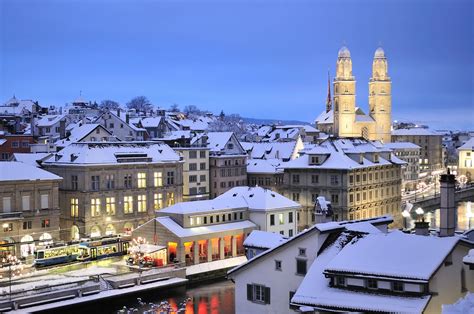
[314,290]
[381,255]
[176,135]
[270,166]
[89,153]
[270,150]
[401,145]
[146,248]
[181,232]
[15,106]
[17,171]
[49,120]
[196,207]
[325,117]
[80,132]
[151,122]
[258,198]
[469,145]
[415,131]
[30,158]
[218,140]
[264,239]
[469,258]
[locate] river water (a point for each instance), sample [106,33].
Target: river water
[210,298]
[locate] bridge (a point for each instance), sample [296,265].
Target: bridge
[433,202]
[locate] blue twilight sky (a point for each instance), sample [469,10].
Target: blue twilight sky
[261,58]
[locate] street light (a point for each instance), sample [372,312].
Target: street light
[9,261]
[405,214]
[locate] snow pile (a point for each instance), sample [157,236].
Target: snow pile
[462,306]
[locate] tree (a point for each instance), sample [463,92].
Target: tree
[174,108]
[108,104]
[191,109]
[140,103]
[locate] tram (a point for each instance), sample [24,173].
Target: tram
[102,248]
[84,250]
[56,255]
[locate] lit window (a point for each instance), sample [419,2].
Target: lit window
[74,207]
[128,204]
[95,207]
[141,203]
[170,198]
[158,178]
[281,219]
[110,205]
[191,221]
[158,201]
[141,179]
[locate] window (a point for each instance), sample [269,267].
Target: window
[127,181]
[258,293]
[74,207]
[296,178]
[15,144]
[340,281]
[141,179]
[290,232]
[315,160]
[95,207]
[281,219]
[296,197]
[44,201]
[202,166]
[334,198]
[205,220]
[223,217]
[334,180]
[301,266]
[202,154]
[27,225]
[74,185]
[314,178]
[211,219]
[170,178]
[110,181]
[272,220]
[192,191]
[241,215]
[25,202]
[302,252]
[158,179]
[25,144]
[282,232]
[170,198]
[202,178]
[128,204]
[193,154]
[230,146]
[158,201]
[290,217]
[192,178]
[141,203]
[191,221]
[372,283]
[110,205]
[278,265]
[217,218]
[397,286]
[95,183]
[7,227]
[45,223]
[351,179]
[192,167]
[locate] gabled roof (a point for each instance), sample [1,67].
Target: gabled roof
[30,158]
[49,120]
[469,145]
[80,132]
[325,117]
[270,150]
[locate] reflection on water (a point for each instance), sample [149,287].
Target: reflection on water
[211,298]
[465,217]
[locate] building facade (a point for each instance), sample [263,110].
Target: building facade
[466,161]
[360,180]
[410,153]
[29,208]
[195,172]
[111,188]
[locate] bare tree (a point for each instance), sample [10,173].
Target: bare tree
[174,108]
[108,104]
[140,103]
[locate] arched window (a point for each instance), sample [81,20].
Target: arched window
[365,133]
[128,228]
[110,229]
[28,245]
[45,239]
[95,232]
[74,232]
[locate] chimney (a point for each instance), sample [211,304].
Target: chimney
[62,128]
[422,227]
[322,210]
[448,205]
[32,123]
[127,118]
[118,112]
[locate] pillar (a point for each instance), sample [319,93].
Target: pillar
[196,252]
[209,250]
[234,246]
[221,248]
[180,254]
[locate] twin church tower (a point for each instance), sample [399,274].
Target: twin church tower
[342,118]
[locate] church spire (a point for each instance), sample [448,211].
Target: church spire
[329,100]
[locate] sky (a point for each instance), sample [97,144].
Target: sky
[261,59]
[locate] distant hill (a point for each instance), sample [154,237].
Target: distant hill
[272,121]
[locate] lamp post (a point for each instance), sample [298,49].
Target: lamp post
[405,215]
[10,261]
[419,211]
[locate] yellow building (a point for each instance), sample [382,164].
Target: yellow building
[348,120]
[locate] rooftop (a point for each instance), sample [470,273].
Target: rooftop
[19,171]
[263,239]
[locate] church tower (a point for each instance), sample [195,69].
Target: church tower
[380,97]
[344,95]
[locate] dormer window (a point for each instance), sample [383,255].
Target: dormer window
[376,157]
[340,281]
[191,221]
[315,160]
[372,284]
[230,146]
[397,286]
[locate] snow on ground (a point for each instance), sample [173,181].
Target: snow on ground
[462,306]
